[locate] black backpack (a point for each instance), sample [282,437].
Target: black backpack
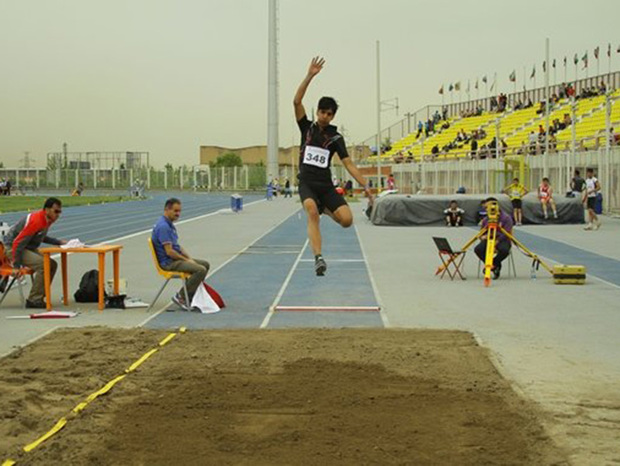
[88,292]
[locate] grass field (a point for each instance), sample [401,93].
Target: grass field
[20,203]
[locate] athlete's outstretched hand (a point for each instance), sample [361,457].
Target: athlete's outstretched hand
[316,65]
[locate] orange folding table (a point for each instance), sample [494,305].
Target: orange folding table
[99,250]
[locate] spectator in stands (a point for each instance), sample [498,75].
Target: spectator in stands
[426,128]
[23,241]
[589,199]
[493,104]
[541,108]
[7,187]
[444,113]
[567,121]
[420,128]
[529,103]
[518,105]
[612,137]
[545,196]
[602,88]
[570,91]
[445,125]
[3,187]
[532,139]
[502,244]
[435,150]
[576,185]
[173,257]
[474,148]
[553,143]
[516,191]
[454,215]
[79,190]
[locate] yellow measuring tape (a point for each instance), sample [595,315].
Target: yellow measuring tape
[62,422]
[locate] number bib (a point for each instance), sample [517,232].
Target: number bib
[316,156]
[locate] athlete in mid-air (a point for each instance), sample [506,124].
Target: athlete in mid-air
[319,142]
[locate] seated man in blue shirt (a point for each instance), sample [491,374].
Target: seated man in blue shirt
[172,256]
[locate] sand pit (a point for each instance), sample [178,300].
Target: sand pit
[268,397]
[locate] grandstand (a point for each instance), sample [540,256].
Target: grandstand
[513,127]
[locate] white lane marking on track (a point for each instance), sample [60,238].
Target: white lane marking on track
[276,301]
[382,313]
[233,257]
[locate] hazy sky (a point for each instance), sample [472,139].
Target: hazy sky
[167,76]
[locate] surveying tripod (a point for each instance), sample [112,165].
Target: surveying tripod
[491,230]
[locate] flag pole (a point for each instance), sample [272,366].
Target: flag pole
[547,105]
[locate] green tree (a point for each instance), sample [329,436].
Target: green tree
[229,159]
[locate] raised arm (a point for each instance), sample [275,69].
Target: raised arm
[316,65]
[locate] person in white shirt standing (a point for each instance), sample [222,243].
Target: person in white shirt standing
[589,198]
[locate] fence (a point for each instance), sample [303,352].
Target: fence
[196,178]
[493,175]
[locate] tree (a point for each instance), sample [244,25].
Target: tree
[229,159]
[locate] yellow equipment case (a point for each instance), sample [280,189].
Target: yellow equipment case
[569,274]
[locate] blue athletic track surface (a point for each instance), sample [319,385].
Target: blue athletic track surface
[254,282]
[103,222]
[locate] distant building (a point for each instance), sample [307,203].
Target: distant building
[254,155]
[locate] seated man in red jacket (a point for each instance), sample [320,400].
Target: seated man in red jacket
[23,241]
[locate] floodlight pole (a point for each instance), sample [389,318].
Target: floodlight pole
[378,120]
[272,94]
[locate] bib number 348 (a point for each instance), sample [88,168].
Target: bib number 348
[316,156]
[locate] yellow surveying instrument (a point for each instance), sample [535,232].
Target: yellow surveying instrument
[561,274]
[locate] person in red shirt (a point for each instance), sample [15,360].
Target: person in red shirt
[545,196]
[23,241]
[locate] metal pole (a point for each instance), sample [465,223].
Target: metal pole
[573,116]
[272,93]
[547,105]
[607,177]
[378,119]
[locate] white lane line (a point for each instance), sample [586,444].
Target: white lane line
[382,313]
[223,264]
[200,217]
[276,301]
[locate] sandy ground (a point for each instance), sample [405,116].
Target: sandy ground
[269,397]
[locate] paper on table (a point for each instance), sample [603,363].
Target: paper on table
[73,243]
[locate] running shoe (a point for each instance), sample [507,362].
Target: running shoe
[180,301]
[320,266]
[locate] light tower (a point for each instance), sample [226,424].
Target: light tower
[272,93]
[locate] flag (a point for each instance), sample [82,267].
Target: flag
[493,85]
[513,77]
[476,85]
[584,59]
[484,79]
[565,61]
[533,73]
[618,49]
[441,90]
[553,64]
[596,51]
[576,59]
[450,87]
[457,86]
[609,49]
[545,66]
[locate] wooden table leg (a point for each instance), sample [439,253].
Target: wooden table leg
[116,257]
[101,279]
[65,279]
[46,281]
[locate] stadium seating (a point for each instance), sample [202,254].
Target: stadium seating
[515,127]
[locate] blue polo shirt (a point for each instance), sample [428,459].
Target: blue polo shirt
[164,232]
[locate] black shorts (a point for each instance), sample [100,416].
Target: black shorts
[517,203]
[324,194]
[591,203]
